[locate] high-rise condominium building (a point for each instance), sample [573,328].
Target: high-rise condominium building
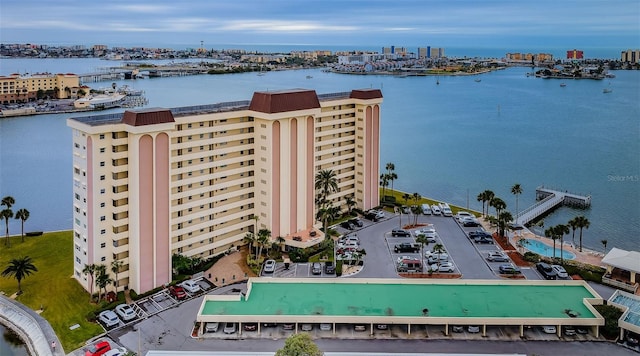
[194,181]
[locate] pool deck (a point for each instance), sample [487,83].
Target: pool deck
[409,302]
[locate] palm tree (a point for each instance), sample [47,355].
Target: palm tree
[384,182]
[416,211]
[560,231]
[516,190]
[19,268]
[102,279]
[7,214]
[250,239]
[573,224]
[488,196]
[327,183]
[263,238]
[497,204]
[423,241]
[604,243]
[503,222]
[550,233]
[23,215]
[481,198]
[351,203]
[583,222]
[255,226]
[90,270]
[391,175]
[116,265]
[438,249]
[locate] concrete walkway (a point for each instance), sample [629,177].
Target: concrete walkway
[33,329]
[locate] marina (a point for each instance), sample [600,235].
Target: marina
[550,199]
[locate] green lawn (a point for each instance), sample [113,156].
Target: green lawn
[64,301]
[398,195]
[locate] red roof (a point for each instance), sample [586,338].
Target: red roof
[366,94]
[284,100]
[147,117]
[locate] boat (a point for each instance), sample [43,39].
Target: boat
[309,77]
[563,85]
[478,80]
[607,90]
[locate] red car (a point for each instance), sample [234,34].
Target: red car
[177,292]
[97,349]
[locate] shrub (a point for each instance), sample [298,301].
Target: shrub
[611,315]
[339,268]
[531,257]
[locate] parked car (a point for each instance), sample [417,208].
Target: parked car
[374,215]
[125,312]
[306,327]
[288,326]
[360,327]
[269,266]
[479,233]
[446,267]
[457,328]
[509,269]
[483,240]
[474,329]
[442,257]
[569,331]
[400,233]
[497,256]
[211,327]
[329,267]
[97,349]
[549,329]
[560,271]
[316,268]
[177,292]
[326,327]
[406,247]
[582,330]
[250,327]
[445,209]
[382,326]
[471,223]
[119,351]
[108,318]
[191,286]
[426,209]
[462,214]
[380,214]
[546,270]
[435,210]
[347,225]
[229,328]
[356,222]
[410,265]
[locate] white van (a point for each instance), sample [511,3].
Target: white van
[446,210]
[426,209]
[435,209]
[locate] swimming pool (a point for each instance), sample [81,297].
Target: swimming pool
[546,250]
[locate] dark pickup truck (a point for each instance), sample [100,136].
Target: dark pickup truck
[406,247]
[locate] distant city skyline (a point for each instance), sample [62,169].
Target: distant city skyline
[372,23]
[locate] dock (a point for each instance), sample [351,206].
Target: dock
[549,199]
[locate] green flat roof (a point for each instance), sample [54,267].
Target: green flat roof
[499,300]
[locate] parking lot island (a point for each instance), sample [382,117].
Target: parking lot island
[412,303]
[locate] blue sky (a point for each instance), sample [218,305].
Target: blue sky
[365,23]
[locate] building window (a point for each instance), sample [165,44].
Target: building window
[102,164]
[102,191]
[102,177]
[102,259]
[102,218]
[102,149]
[102,136]
[102,205]
[103,231]
[103,245]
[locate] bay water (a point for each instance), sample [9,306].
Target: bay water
[448,141]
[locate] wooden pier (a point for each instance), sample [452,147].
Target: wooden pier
[549,199]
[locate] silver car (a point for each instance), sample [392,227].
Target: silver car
[108,318]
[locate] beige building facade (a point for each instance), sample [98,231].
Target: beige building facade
[21,88]
[152,183]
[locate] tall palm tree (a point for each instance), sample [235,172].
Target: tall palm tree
[327,183]
[583,222]
[6,214]
[90,270]
[550,233]
[488,196]
[250,239]
[503,222]
[23,215]
[481,198]
[497,204]
[416,211]
[516,190]
[604,243]
[560,231]
[392,177]
[573,224]
[116,265]
[8,201]
[19,268]
[255,226]
[102,279]
[263,238]
[384,182]
[423,241]
[351,203]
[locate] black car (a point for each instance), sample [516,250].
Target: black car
[371,215]
[347,225]
[546,270]
[470,223]
[400,233]
[479,233]
[356,222]
[483,240]
[329,267]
